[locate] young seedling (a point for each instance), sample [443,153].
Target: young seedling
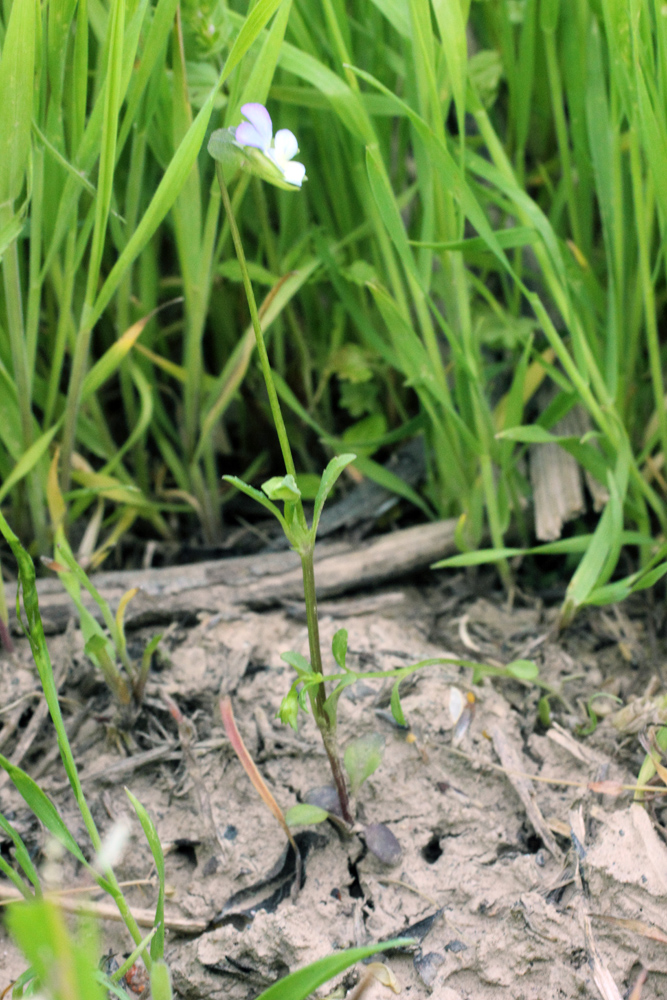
[127,682]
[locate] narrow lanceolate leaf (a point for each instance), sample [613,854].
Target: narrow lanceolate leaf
[339,647]
[17,67]
[259,497]
[67,963]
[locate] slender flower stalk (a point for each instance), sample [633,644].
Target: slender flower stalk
[300,535]
[254,316]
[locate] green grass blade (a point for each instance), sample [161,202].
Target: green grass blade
[43,808]
[299,985]
[451,24]
[147,825]
[28,460]
[17,88]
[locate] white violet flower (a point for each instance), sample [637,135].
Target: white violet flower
[257,132]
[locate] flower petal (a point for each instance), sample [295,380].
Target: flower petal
[293,172]
[247,135]
[258,116]
[285,144]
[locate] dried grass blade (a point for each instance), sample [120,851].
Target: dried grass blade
[250,768]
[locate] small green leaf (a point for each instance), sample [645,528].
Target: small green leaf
[304,814]
[339,647]
[544,711]
[362,758]
[250,491]
[288,712]
[299,662]
[396,707]
[282,488]
[524,670]
[327,483]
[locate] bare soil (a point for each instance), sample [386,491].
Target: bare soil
[489,883]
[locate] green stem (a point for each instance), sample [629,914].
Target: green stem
[327,726]
[254,316]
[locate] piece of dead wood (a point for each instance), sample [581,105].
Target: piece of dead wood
[113,771]
[511,761]
[557,490]
[107,911]
[257,581]
[556,479]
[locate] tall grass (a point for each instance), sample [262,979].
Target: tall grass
[484,214]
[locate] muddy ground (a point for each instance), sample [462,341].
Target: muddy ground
[488,881]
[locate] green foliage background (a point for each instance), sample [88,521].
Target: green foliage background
[484,215]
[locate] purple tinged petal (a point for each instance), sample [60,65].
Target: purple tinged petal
[258,116]
[247,135]
[285,144]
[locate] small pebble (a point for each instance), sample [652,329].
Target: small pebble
[381,842]
[326,797]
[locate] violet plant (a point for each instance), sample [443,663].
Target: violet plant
[252,146]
